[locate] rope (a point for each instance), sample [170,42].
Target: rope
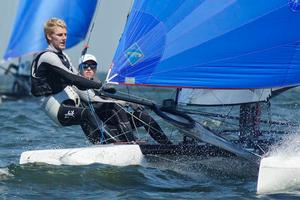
[100,127]
[83,52]
[87,40]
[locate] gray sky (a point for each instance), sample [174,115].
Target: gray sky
[110,19]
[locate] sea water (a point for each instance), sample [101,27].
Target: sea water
[24,126]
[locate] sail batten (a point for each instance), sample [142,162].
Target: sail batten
[210,44]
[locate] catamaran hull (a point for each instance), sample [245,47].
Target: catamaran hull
[275,174]
[117,154]
[278,174]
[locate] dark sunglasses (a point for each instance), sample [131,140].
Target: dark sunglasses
[88,65]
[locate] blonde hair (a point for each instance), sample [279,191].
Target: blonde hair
[51,24]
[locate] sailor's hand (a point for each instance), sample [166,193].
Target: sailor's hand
[97,92]
[109,89]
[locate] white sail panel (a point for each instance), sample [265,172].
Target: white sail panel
[222,97]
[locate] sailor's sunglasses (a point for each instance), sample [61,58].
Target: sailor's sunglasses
[89,65]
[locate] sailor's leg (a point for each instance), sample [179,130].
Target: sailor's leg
[69,115]
[94,129]
[120,117]
[141,118]
[102,137]
[115,116]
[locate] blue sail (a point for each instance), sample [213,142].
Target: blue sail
[224,44]
[28,37]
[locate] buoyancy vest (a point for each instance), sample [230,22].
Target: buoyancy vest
[45,82]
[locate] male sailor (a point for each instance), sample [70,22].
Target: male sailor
[113,112]
[52,77]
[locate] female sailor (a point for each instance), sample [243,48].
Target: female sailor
[120,121]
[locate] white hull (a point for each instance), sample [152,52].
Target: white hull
[278,174]
[118,155]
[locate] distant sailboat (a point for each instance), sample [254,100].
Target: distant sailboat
[27,37]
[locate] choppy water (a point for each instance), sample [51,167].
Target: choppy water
[23,126]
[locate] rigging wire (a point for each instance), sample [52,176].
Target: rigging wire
[87,40]
[136,119]
[100,126]
[83,52]
[130,7]
[207,114]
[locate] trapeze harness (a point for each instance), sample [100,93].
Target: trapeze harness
[52,77]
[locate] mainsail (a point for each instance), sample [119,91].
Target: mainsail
[225,44]
[249,48]
[28,37]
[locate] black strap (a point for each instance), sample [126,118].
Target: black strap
[34,63]
[64,60]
